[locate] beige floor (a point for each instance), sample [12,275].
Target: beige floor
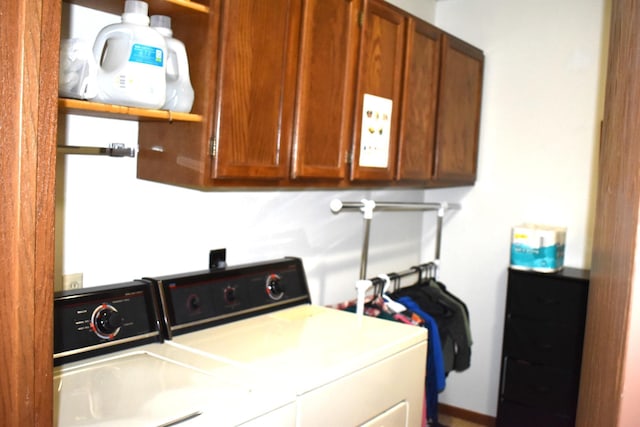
[449,421]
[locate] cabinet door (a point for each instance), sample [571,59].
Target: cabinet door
[379,75]
[420,100]
[256,83]
[323,124]
[177,152]
[458,123]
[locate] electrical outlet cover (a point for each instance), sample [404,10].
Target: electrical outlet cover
[71,281]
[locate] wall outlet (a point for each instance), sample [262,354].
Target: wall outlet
[71,281]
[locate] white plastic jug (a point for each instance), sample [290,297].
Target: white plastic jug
[77,78]
[179,96]
[131,57]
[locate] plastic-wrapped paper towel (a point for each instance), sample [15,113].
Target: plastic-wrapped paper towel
[538,247]
[77,70]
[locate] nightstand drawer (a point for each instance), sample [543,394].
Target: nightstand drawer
[551,389]
[543,342]
[512,414]
[546,297]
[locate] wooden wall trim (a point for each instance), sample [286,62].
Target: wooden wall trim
[616,223]
[29,37]
[464,414]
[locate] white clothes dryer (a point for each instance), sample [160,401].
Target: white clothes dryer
[344,369]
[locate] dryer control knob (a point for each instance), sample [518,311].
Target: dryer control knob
[193,303]
[230,295]
[274,288]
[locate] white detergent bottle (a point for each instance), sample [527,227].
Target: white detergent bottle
[180,94]
[131,57]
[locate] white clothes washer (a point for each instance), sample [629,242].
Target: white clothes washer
[112,369]
[345,370]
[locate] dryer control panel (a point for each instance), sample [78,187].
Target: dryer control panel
[202,299]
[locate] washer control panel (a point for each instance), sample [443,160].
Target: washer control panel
[207,298]
[97,320]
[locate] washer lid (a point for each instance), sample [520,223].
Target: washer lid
[133,389]
[145,388]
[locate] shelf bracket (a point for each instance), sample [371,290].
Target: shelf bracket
[113,150]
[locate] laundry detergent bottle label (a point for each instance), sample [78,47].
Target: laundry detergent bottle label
[149,55]
[131,58]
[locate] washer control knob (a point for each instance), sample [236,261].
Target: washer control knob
[106,321]
[274,288]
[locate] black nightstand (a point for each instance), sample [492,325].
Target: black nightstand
[542,348]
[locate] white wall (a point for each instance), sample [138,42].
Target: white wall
[113,227]
[629,408]
[541,112]
[540,121]
[425,9]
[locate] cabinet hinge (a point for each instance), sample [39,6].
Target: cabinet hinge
[350,157]
[361,18]
[213,147]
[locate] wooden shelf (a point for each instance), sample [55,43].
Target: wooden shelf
[190,5]
[155,6]
[86,108]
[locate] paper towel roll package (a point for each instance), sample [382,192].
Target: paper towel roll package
[538,247]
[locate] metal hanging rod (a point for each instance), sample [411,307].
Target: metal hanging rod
[426,270]
[382,281]
[368,206]
[338,205]
[113,150]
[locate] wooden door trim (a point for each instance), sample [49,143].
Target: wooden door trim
[615,233]
[29,36]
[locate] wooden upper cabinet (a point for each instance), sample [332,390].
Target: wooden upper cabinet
[379,74]
[280,91]
[458,123]
[323,123]
[255,88]
[419,104]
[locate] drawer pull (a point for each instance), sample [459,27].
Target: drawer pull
[548,301]
[541,389]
